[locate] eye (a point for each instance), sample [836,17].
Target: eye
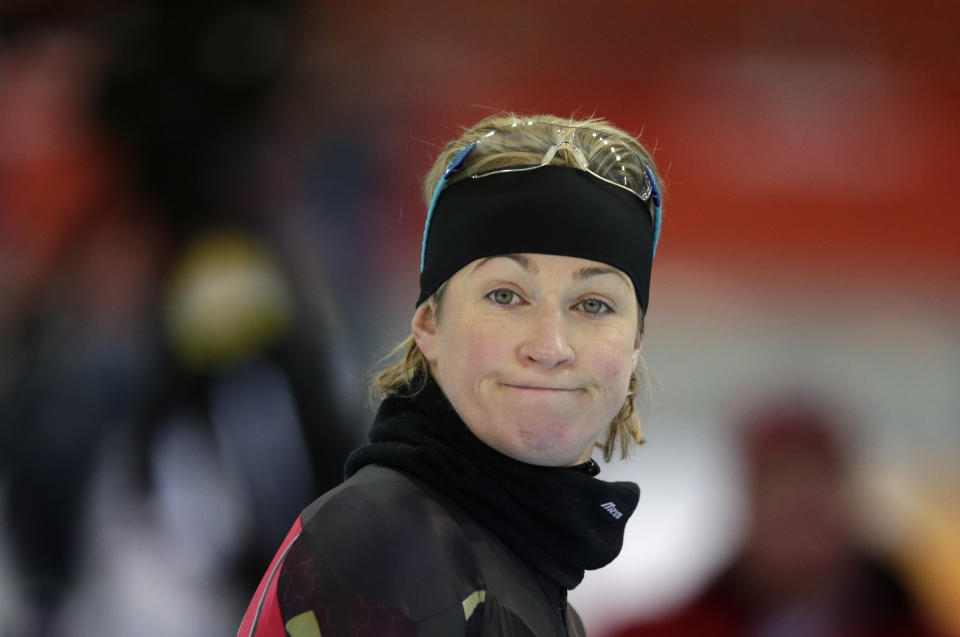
[503,296]
[594,306]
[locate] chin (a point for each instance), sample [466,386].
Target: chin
[548,459]
[547,444]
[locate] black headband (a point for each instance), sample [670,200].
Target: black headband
[557,210]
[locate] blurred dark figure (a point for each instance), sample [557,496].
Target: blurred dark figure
[801,571]
[79,261]
[187,93]
[158,317]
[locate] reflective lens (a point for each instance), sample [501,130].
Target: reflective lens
[605,156]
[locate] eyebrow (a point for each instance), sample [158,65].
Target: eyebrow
[586,273]
[521,260]
[580,275]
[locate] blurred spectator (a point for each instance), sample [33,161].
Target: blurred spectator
[163,328]
[801,571]
[80,257]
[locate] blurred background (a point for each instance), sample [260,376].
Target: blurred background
[209,227]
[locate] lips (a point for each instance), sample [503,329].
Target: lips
[539,388]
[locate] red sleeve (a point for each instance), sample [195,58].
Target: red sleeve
[263,618]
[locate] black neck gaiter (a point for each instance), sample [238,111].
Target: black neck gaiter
[560,520]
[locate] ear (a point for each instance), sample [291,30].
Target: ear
[637,348]
[423,326]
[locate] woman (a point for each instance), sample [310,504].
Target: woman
[475,506]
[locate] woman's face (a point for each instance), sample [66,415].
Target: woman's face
[534,352]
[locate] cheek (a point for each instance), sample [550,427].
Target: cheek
[478,343]
[477,353]
[615,368]
[472,350]
[613,364]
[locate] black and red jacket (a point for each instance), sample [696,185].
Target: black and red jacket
[436,534]
[382,555]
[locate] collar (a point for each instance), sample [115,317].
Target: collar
[560,520]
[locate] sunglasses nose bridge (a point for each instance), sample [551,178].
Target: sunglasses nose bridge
[568,145]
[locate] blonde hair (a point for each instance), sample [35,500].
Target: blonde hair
[521,146]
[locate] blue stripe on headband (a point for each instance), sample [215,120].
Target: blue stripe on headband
[657,210]
[455,164]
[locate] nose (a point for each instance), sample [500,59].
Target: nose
[547,342]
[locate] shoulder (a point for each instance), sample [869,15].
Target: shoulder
[390,518]
[372,493]
[380,540]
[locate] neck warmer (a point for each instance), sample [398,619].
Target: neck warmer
[560,520]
